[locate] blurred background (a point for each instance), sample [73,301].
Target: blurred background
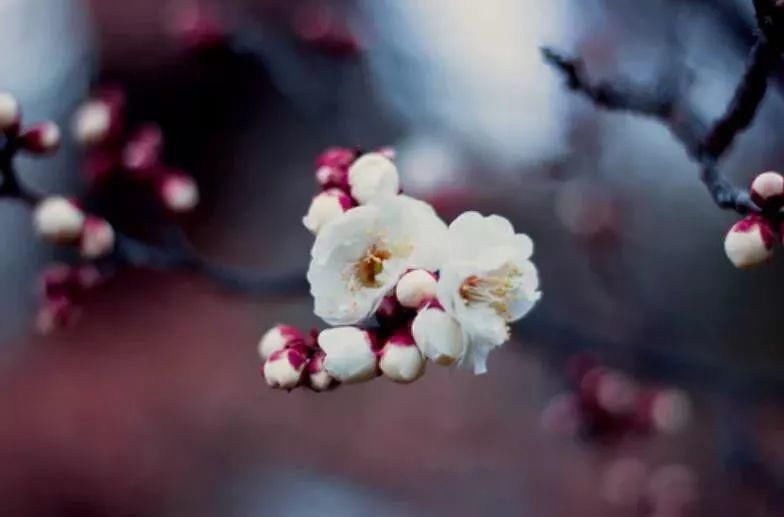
[153,405]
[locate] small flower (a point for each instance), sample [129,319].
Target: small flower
[319,378]
[277,338]
[10,112]
[401,360]
[97,238]
[43,138]
[767,190]
[415,288]
[178,192]
[143,150]
[487,283]
[438,336]
[350,354]
[749,242]
[284,368]
[373,177]
[358,258]
[92,122]
[325,207]
[58,220]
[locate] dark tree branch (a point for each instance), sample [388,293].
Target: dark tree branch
[705,144]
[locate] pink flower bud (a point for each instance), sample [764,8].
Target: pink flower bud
[319,378]
[336,157]
[58,220]
[387,152]
[277,338]
[562,415]
[749,242]
[178,192]
[143,150]
[325,207]
[415,288]
[42,138]
[10,113]
[373,177]
[332,177]
[56,313]
[350,354]
[92,122]
[616,393]
[624,482]
[283,369]
[767,190]
[401,360]
[97,238]
[670,411]
[438,336]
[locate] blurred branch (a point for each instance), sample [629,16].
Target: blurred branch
[668,103]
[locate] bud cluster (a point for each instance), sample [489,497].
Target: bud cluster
[606,405]
[750,241]
[382,275]
[136,154]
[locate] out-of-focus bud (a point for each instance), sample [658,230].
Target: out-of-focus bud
[337,157]
[178,192]
[319,378]
[283,369]
[624,482]
[277,338]
[57,280]
[58,220]
[767,190]
[42,138]
[562,415]
[415,288]
[56,313]
[749,242]
[350,354]
[143,150]
[373,177]
[10,112]
[670,411]
[615,392]
[92,122]
[97,238]
[197,26]
[401,360]
[388,152]
[672,489]
[438,336]
[325,207]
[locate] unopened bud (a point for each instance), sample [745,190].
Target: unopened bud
[438,336]
[337,157]
[283,369]
[767,190]
[143,151]
[350,354]
[325,207]
[319,378]
[415,288]
[179,192]
[56,313]
[10,112]
[58,220]
[670,411]
[401,360]
[42,138]
[277,338]
[92,122]
[615,393]
[97,238]
[749,242]
[373,177]
[624,482]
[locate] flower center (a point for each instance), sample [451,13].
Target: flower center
[496,290]
[369,267]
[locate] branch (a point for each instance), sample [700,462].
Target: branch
[705,144]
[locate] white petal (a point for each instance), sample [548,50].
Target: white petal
[349,354]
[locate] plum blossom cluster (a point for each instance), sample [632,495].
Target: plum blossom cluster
[64,221]
[398,285]
[751,240]
[606,406]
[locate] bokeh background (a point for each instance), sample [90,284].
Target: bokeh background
[153,405]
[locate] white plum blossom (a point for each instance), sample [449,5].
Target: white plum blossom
[350,356]
[372,177]
[438,336]
[358,258]
[487,283]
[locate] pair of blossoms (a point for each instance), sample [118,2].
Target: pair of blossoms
[99,126]
[750,241]
[397,284]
